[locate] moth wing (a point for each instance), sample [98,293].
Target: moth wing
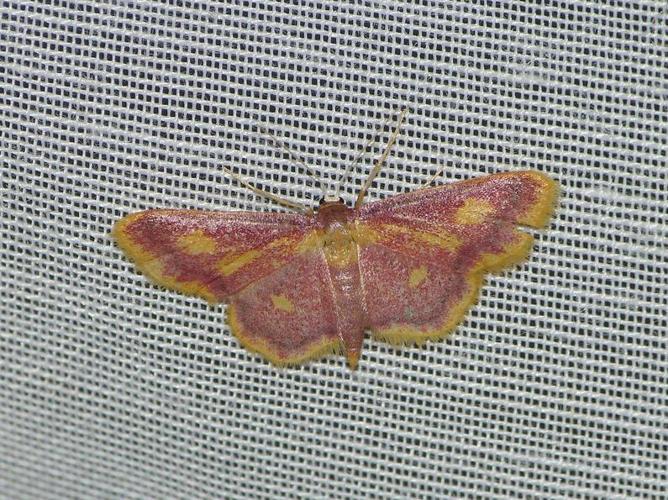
[423,255]
[288,316]
[212,255]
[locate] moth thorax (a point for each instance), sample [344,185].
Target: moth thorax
[339,247]
[337,239]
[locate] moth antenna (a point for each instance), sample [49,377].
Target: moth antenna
[282,201]
[310,171]
[428,182]
[344,176]
[379,164]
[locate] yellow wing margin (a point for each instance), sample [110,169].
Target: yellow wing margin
[319,350]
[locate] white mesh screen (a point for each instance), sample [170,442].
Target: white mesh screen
[556,383]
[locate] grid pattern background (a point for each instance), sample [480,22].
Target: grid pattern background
[556,385]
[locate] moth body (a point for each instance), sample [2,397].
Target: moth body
[341,254]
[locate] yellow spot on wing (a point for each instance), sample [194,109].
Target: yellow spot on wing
[442,240]
[232,264]
[196,243]
[283,303]
[290,244]
[279,249]
[417,276]
[445,241]
[473,211]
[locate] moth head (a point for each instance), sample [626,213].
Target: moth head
[330,200]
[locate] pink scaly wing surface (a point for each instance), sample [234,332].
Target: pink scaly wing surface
[212,254]
[288,316]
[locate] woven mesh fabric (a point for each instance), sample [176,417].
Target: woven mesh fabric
[556,384]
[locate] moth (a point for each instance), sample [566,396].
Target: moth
[306,284]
